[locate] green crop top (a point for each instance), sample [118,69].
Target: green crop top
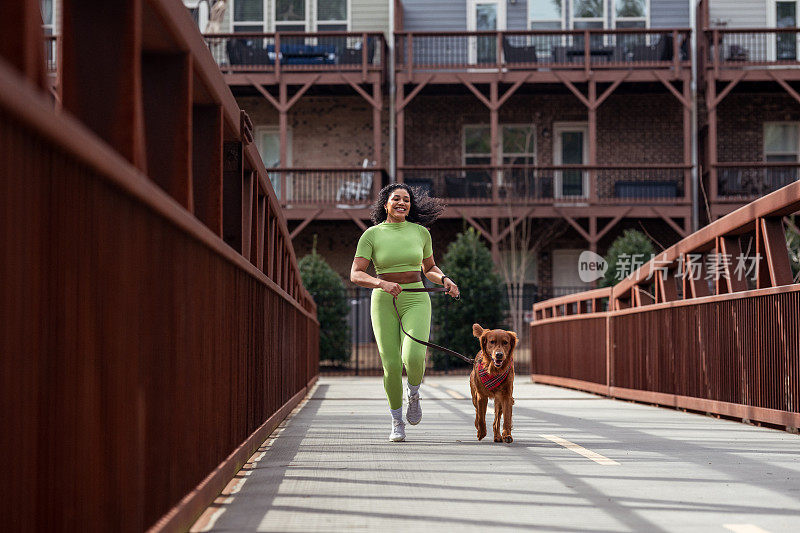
[395,246]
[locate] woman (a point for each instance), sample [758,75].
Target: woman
[399,246]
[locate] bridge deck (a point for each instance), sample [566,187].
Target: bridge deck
[330,467]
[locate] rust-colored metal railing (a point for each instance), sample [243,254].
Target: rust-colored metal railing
[155,328]
[741,48]
[710,324]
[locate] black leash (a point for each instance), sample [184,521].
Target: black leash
[428,344]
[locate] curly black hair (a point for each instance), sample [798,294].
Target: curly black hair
[424,209]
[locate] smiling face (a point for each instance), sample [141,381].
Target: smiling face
[398,206]
[497,344]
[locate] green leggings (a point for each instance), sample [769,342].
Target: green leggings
[395,347]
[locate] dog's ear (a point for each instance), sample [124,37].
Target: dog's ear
[477,330]
[483,344]
[514,340]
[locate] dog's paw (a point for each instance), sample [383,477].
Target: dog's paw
[498,438]
[481,434]
[508,438]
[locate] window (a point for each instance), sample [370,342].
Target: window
[588,14]
[546,14]
[331,15]
[268,142]
[631,13]
[517,145]
[48,18]
[290,15]
[248,16]
[781,141]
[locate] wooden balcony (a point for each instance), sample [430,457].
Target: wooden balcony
[331,57]
[739,183]
[754,54]
[545,55]
[327,187]
[551,185]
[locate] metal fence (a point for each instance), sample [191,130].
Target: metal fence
[364,358]
[710,324]
[154,328]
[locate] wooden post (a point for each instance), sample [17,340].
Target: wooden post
[711,92]
[495,139]
[377,127]
[592,110]
[687,140]
[401,131]
[283,125]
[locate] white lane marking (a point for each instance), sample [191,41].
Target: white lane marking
[589,454]
[744,528]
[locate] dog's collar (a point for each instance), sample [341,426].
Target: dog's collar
[489,381]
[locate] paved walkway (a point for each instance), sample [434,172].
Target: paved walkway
[578,463]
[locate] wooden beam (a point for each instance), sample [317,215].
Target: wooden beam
[572,88]
[780,270]
[664,81]
[271,99]
[610,90]
[728,88]
[357,220]
[301,92]
[488,236]
[514,222]
[359,90]
[404,102]
[511,91]
[611,224]
[679,230]
[305,223]
[575,225]
[788,88]
[476,92]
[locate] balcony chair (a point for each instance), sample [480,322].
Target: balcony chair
[424,184]
[353,56]
[455,187]
[248,52]
[518,54]
[357,191]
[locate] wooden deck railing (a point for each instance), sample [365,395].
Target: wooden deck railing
[750,47]
[709,324]
[610,184]
[327,186]
[155,326]
[744,182]
[560,49]
[298,51]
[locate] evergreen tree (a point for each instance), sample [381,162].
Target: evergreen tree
[330,295]
[483,299]
[626,254]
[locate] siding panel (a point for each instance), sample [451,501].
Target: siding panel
[738,13]
[517,15]
[669,14]
[369,15]
[435,15]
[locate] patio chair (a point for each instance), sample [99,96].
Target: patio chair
[357,191]
[518,54]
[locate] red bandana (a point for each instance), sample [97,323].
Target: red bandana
[489,381]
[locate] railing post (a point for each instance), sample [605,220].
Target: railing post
[676,60]
[410,55]
[499,50]
[587,51]
[278,57]
[364,56]
[715,52]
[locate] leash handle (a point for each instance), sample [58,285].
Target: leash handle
[424,343]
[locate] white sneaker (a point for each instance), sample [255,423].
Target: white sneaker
[414,411]
[398,431]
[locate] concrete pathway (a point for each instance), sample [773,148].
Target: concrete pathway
[579,462]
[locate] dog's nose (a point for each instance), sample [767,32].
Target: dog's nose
[498,355]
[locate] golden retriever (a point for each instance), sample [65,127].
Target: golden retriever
[493,377]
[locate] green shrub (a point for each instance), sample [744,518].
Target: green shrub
[483,300]
[330,295]
[631,244]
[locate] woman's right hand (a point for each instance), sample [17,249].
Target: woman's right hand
[392,288]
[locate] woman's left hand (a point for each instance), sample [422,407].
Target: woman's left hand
[452,288]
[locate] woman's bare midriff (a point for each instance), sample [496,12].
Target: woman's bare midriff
[402,277]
